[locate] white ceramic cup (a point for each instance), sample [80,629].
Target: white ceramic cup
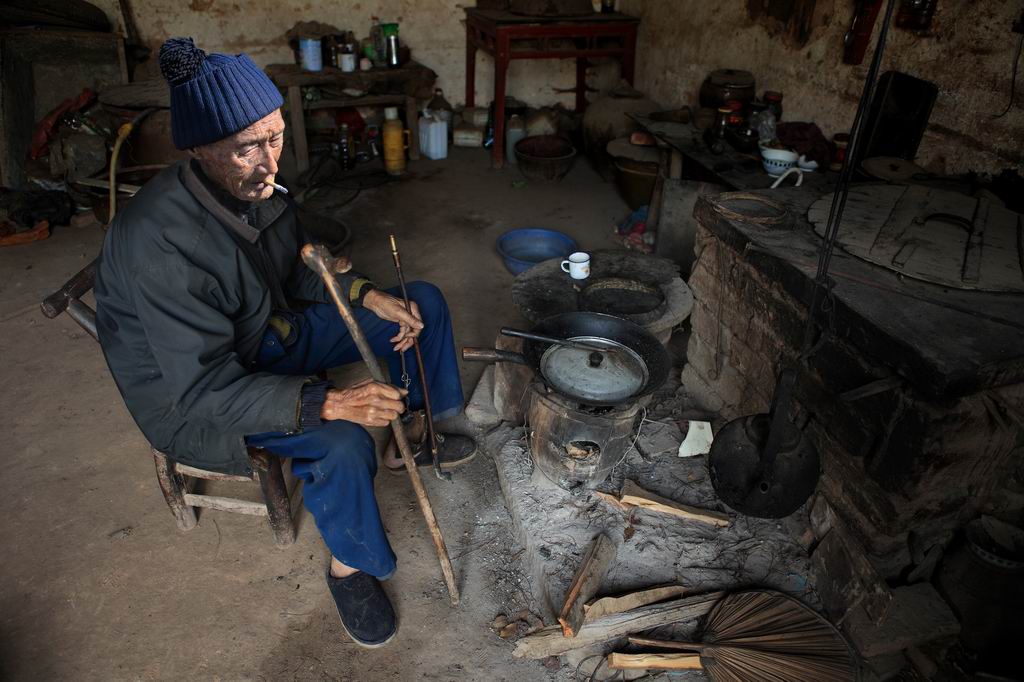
[577,265]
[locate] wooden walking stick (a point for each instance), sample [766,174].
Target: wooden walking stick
[320,261]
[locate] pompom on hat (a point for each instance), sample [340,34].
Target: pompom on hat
[213,95]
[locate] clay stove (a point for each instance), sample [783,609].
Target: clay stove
[575,445]
[643,289]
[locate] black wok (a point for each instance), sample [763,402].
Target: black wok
[633,364]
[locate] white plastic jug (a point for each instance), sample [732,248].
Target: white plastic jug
[433,137]
[515,131]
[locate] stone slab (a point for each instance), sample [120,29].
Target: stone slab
[481,410]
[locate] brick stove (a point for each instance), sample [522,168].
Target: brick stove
[915,400]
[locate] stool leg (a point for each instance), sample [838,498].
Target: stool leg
[172,485]
[275,494]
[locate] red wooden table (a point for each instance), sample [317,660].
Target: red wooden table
[507,36]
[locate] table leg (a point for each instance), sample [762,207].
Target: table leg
[501,60]
[470,67]
[412,120]
[298,128]
[581,84]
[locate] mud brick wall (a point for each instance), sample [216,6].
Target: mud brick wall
[892,462]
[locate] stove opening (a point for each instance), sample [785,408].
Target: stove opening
[582,449]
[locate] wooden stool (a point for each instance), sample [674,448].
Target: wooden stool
[177,480]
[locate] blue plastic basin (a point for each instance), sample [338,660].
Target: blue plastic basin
[525,247]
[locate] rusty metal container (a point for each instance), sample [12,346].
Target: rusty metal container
[575,446]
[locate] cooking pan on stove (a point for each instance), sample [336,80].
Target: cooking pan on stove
[613,360]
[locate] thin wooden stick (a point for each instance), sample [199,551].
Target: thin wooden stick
[318,259]
[665,644]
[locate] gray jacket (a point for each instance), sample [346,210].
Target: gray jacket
[184,291]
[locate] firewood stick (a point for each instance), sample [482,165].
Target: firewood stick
[318,259]
[665,644]
[586,583]
[654,662]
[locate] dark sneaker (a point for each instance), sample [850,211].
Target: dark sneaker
[365,610]
[452,450]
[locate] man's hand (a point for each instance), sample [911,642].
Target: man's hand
[368,403]
[392,309]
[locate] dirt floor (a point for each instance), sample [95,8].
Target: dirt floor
[99,584]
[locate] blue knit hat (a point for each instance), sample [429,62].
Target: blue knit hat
[213,96]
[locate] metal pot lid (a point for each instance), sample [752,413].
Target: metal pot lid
[593,376]
[733,78]
[892,169]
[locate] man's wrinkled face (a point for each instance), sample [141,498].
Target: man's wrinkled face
[245,162]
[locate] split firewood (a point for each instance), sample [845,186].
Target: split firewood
[654,662]
[551,642]
[633,496]
[664,644]
[585,583]
[608,605]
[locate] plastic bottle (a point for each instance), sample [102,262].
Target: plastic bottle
[377,38]
[433,136]
[394,143]
[514,131]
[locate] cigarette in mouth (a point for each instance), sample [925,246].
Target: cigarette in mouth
[279,188]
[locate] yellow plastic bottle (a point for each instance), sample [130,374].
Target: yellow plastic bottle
[394,143]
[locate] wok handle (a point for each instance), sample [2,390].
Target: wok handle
[492,355]
[541,338]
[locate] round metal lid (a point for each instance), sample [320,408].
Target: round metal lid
[607,377]
[734,78]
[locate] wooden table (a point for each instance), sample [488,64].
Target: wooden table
[402,86]
[507,36]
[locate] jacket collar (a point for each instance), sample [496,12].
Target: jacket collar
[266,212]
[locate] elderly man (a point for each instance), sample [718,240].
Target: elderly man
[215,331]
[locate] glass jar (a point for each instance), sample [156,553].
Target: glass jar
[773,100]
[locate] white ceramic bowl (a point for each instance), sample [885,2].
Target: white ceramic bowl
[777,161]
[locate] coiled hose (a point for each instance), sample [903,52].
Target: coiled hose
[122,134]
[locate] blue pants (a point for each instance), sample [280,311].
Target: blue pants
[337,461]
